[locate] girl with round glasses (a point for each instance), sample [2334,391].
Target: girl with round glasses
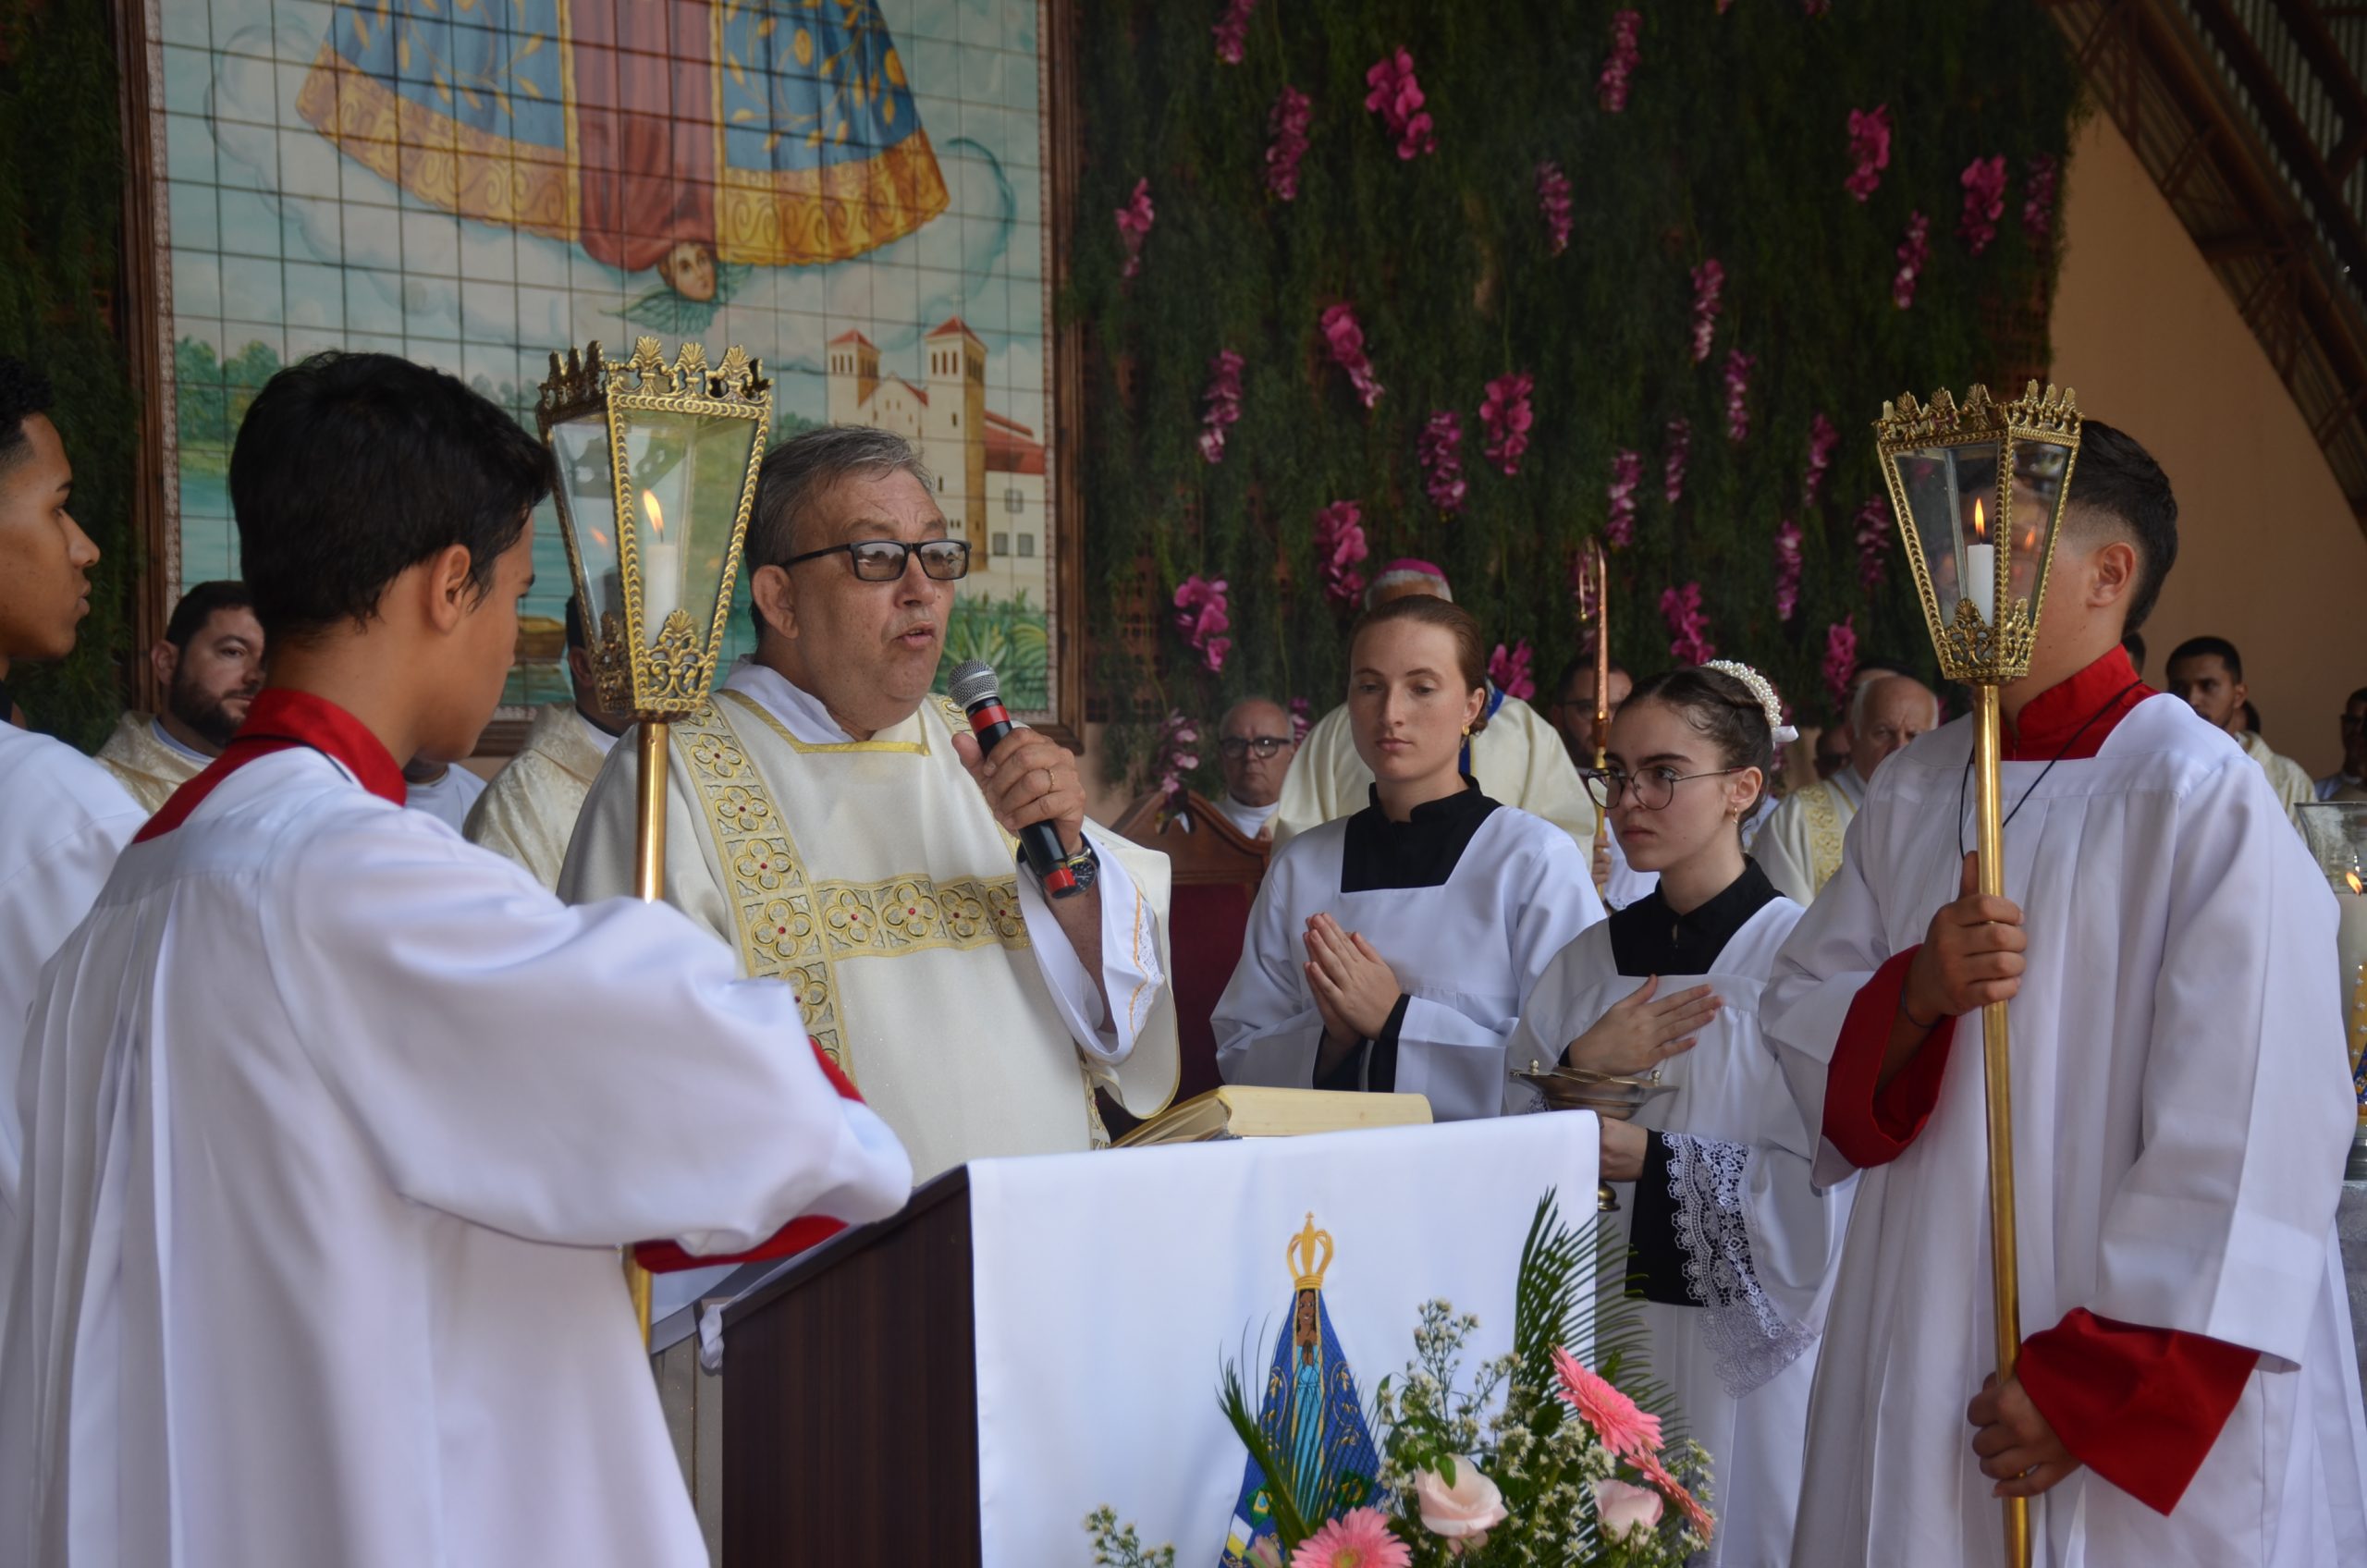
[1389,950]
[1735,1250]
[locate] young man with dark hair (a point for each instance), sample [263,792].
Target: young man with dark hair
[210,666]
[2186,1391]
[2208,674]
[2349,782]
[528,812]
[62,818]
[339,1121]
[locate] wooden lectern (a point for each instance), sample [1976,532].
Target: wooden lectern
[850,1436]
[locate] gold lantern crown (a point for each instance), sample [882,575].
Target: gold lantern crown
[1308,1264]
[591,408]
[2034,439]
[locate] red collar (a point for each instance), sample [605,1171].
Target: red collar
[279,720]
[2071,718]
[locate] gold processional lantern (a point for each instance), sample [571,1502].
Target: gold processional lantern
[656,477]
[1979,491]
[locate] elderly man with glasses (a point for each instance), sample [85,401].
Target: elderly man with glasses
[1255,745]
[836,823]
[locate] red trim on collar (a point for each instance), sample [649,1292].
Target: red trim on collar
[277,720]
[2050,720]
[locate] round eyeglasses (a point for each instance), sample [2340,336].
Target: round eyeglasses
[1235,747]
[882,560]
[1654,787]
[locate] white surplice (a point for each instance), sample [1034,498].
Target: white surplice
[1465,953]
[2181,1112]
[337,1123]
[1519,758]
[449,799]
[528,812]
[872,876]
[1759,1242]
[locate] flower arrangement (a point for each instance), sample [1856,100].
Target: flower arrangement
[1509,670]
[1984,201]
[1302,718]
[1347,343]
[1709,282]
[1396,97]
[1840,661]
[1134,227]
[1339,545]
[1822,439]
[1507,416]
[1205,615]
[1913,251]
[1619,525]
[1178,756]
[1789,563]
[1688,627]
[1610,89]
[1738,366]
[1538,1459]
[1441,450]
[1288,123]
[1223,400]
[1873,541]
[1870,147]
[1554,205]
[1680,448]
[1232,30]
[2037,196]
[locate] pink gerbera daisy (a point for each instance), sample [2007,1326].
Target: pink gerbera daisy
[1359,1538]
[1624,1429]
[1652,1470]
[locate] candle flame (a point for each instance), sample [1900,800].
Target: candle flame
[2356,886]
[1980,524]
[658,513]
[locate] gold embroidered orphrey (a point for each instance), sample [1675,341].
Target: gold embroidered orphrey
[1824,834]
[795,929]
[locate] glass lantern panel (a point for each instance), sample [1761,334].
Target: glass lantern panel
[587,499]
[2040,468]
[687,472]
[1950,491]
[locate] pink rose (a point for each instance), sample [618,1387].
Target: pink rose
[1625,1509]
[1462,1513]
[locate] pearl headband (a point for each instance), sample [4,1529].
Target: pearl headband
[1779,733]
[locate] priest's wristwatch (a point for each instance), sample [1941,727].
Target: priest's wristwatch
[1084,866]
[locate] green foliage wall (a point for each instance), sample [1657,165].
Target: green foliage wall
[61,221]
[1733,144]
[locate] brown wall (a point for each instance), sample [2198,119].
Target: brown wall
[2269,556]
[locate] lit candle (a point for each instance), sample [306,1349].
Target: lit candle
[661,568]
[1981,569]
[2351,952]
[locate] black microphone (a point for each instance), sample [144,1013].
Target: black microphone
[973,686]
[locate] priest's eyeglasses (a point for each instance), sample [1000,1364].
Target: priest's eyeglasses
[1236,747]
[883,560]
[1654,787]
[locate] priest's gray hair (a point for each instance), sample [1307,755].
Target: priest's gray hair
[803,469]
[1857,698]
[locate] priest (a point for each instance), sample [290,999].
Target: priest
[838,826]
[528,812]
[209,665]
[337,1120]
[1800,847]
[2187,1389]
[1518,758]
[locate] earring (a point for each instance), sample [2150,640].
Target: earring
[1466,732]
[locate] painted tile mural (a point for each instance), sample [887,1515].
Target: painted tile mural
[852,189]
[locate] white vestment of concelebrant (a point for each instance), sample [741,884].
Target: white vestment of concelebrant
[1799,848]
[338,1122]
[148,760]
[1466,925]
[872,876]
[1519,758]
[1753,1245]
[528,812]
[2181,1107]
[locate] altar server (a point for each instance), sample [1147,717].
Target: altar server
[1515,754]
[1735,1248]
[2187,1390]
[339,1121]
[528,811]
[837,825]
[63,817]
[1389,950]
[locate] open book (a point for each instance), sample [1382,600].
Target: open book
[1240,1110]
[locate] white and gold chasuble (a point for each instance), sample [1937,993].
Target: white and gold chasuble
[148,763]
[871,876]
[528,813]
[1800,847]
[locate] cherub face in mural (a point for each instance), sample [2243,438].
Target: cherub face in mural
[689,270]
